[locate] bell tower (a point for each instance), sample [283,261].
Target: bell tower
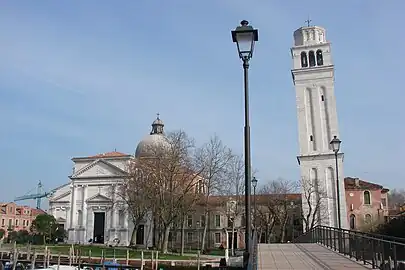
[313,77]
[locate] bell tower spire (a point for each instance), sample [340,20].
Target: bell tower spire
[157,126]
[313,78]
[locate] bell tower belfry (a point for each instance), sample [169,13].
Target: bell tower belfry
[313,77]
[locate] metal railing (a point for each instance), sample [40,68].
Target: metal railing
[379,251]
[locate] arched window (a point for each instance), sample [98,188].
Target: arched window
[312,62]
[352,222]
[319,58]
[367,219]
[367,197]
[304,59]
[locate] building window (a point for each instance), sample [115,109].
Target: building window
[28,223]
[367,218]
[190,221]
[352,222]
[170,238]
[16,222]
[243,221]
[384,202]
[217,221]
[319,58]
[3,222]
[10,223]
[230,222]
[121,218]
[304,59]
[217,238]
[202,221]
[23,222]
[189,237]
[312,61]
[367,197]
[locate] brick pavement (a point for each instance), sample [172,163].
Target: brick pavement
[303,257]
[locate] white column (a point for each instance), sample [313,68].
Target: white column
[113,207]
[67,217]
[73,212]
[84,211]
[72,207]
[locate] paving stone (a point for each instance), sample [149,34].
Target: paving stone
[303,257]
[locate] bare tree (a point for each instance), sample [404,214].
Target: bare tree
[233,190]
[369,224]
[133,193]
[171,179]
[280,203]
[314,201]
[266,212]
[396,198]
[187,207]
[212,160]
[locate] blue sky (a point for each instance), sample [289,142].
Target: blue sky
[79,78]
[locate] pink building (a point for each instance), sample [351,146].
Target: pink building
[367,203]
[14,217]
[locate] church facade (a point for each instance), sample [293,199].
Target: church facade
[88,207]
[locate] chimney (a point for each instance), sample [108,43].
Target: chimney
[357,182]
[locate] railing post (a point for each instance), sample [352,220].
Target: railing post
[363,250]
[373,254]
[330,238]
[394,254]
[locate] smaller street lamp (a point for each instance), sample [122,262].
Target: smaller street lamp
[335,143]
[254,184]
[198,235]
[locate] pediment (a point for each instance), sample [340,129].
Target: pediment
[60,220]
[99,168]
[98,198]
[64,197]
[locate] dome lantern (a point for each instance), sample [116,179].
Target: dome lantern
[155,139]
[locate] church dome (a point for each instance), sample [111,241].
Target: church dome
[155,139]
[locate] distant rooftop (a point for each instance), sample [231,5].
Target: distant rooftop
[352,183]
[112,154]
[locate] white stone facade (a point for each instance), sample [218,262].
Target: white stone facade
[90,191]
[313,77]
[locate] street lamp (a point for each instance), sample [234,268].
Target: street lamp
[335,143]
[254,184]
[245,37]
[198,235]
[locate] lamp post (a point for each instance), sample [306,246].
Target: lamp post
[335,143]
[254,184]
[245,37]
[198,235]
[293,220]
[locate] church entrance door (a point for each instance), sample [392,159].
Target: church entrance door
[235,240]
[99,227]
[140,234]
